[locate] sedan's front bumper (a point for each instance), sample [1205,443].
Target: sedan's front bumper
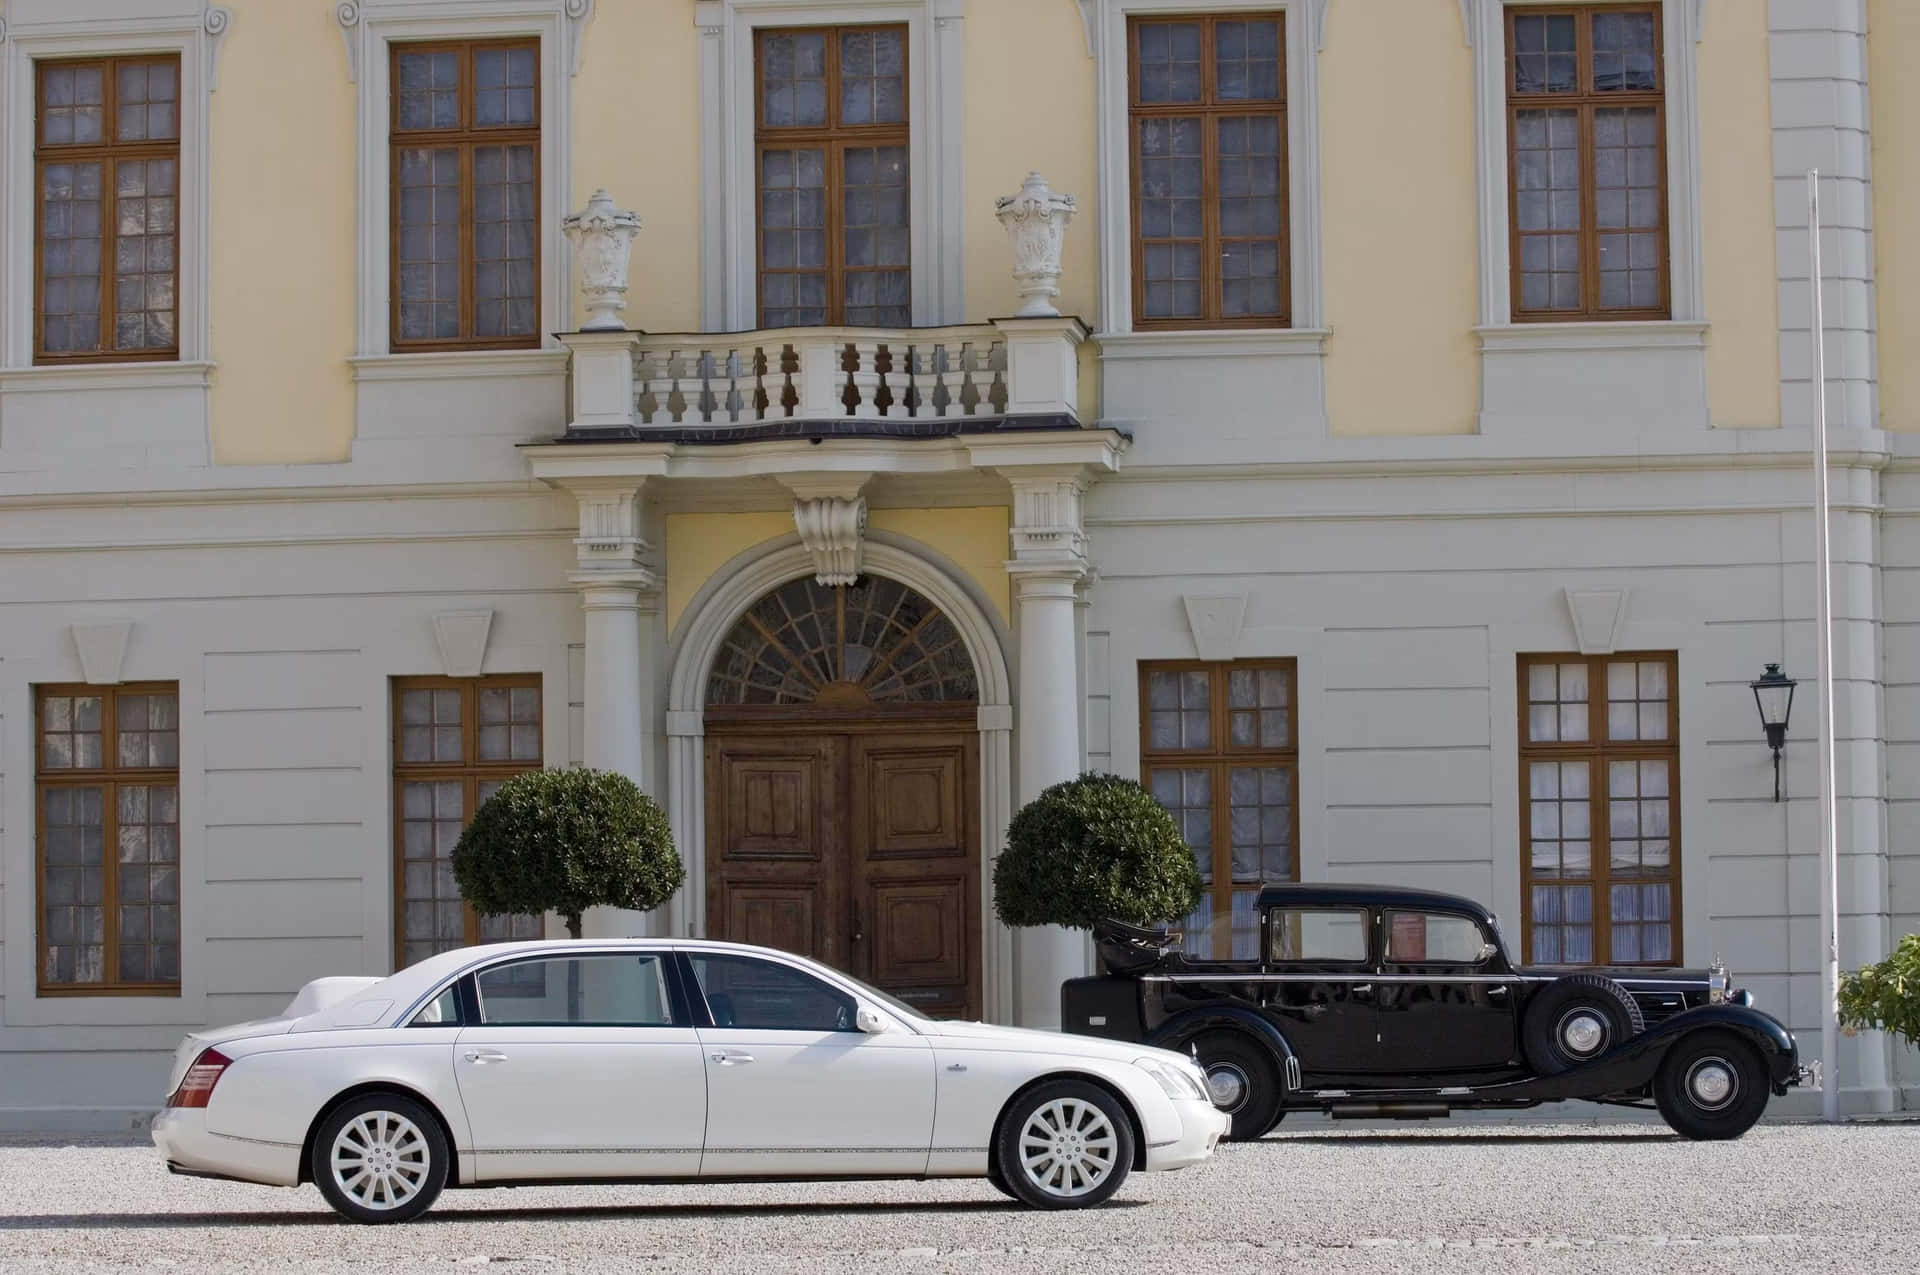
[182,1136]
[1202,1125]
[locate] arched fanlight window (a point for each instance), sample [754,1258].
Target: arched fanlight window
[875,641]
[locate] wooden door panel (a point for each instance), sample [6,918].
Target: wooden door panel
[916,868]
[783,916]
[919,944]
[914,802]
[776,843]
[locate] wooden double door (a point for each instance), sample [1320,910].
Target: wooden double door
[855,843]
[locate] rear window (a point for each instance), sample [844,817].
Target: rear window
[1317,935]
[442,1011]
[1433,938]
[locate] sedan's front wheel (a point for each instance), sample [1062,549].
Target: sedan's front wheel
[1065,1144]
[380,1157]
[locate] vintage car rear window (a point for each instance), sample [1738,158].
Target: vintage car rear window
[1317,935]
[1415,938]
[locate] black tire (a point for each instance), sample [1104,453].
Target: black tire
[1689,1086]
[407,1150]
[1242,1080]
[997,1178]
[1083,1125]
[1575,1019]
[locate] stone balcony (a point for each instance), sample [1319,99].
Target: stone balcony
[817,382]
[1019,373]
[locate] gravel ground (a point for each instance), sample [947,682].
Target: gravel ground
[1580,1198]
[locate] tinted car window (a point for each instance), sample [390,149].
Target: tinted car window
[1415,938]
[744,992]
[1317,934]
[582,991]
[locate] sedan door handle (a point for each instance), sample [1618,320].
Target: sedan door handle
[728,1058]
[481,1057]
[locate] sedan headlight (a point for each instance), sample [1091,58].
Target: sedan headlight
[1181,1081]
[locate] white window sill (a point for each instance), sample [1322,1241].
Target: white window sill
[65,378]
[439,365]
[1642,334]
[1224,343]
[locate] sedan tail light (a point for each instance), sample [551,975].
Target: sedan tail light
[197,1085]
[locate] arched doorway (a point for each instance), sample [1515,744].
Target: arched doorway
[842,767]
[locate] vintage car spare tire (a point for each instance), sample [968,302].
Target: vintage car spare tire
[1575,1019]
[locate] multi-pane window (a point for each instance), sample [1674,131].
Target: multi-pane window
[831,130]
[107,787]
[1219,751]
[466,180]
[1599,808]
[456,740]
[107,235]
[1587,126]
[1208,116]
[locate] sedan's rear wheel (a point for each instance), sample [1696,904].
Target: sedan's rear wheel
[380,1157]
[1065,1144]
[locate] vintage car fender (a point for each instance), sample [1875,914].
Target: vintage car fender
[1634,1063]
[1178,1031]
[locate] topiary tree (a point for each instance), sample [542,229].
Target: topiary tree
[1094,848]
[564,841]
[1885,996]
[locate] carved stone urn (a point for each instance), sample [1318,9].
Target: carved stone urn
[1036,221]
[602,239]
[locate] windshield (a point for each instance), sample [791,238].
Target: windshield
[893,1003]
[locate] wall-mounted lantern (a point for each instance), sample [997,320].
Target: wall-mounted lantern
[1773,694]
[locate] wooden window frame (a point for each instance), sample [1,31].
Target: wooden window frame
[835,139]
[1210,111]
[1597,750]
[108,776]
[1583,101]
[470,772]
[1220,758]
[107,152]
[464,137]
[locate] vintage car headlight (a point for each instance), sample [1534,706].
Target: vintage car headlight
[1182,1081]
[1717,983]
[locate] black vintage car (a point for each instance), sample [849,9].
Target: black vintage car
[1376,1002]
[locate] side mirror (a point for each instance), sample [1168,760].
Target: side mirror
[869,1021]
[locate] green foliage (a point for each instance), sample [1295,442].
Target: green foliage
[1885,996]
[564,841]
[1090,849]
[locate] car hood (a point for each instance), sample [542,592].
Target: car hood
[1027,1040]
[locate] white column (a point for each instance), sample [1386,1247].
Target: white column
[1047,725]
[1049,562]
[618,593]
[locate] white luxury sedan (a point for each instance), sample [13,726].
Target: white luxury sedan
[668,1059]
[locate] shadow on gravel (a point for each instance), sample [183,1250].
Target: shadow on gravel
[1441,1139]
[578,1213]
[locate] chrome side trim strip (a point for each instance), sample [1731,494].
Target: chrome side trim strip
[258,1142]
[586,1151]
[1630,982]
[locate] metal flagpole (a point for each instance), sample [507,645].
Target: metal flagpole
[1823,586]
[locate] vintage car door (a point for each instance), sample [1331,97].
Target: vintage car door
[581,1067]
[1320,986]
[1443,1004]
[794,1087]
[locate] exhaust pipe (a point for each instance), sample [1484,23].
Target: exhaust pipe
[1390,1111]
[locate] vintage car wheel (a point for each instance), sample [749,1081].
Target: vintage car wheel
[1575,1019]
[1064,1144]
[380,1157]
[1242,1081]
[1711,1086]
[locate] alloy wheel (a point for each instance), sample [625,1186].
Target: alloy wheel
[1067,1147]
[380,1160]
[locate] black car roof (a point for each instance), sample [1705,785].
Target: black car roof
[1380,896]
